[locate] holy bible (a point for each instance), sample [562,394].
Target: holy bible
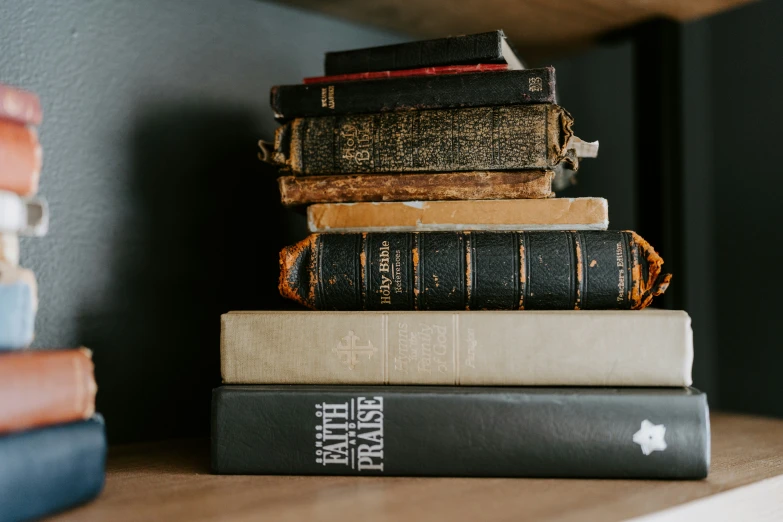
[559,270]
[511,137]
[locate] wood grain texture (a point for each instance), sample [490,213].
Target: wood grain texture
[536,28]
[171,481]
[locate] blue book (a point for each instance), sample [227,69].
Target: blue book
[18,304]
[47,470]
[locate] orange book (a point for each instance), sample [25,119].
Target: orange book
[40,388]
[20,158]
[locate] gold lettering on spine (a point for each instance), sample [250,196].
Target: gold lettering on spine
[327,97]
[385,288]
[468,272]
[416,275]
[580,273]
[522,271]
[363,270]
[621,275]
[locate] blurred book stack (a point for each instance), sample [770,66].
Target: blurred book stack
[463,321]
[52,444]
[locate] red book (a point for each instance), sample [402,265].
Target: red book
[424,71]
[41,388]
[20,158]
[19,105]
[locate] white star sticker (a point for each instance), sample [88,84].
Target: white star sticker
[650,437]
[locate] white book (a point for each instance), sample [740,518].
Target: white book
[9,249]
[497,348]
[23,216]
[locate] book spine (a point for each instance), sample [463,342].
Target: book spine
[51,469]
[527,184]
[502,432]
[20,157]
[9,249]
[484,138]
[18,306]
[473,271]
[23,216]
[19,106]
[476,48]
[40,388]
[424,71]
[437,216]
[444,91]
[458,348]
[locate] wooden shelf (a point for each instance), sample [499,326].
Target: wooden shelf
[537,28]
[171,481]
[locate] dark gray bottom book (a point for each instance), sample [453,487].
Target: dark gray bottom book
[461,431]
[46,470]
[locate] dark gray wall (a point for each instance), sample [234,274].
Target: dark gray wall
[161,215]
[162,218]
[746,105]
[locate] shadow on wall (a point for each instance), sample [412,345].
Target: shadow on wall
[203,239]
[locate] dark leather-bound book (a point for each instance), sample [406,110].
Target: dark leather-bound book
[511,137]
[443,91]
[461,431]
[47,470]
[450,186]
[585,270]
[489,47]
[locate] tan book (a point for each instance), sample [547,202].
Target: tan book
[449,186]
[429,216]
[548,348]
[9,248]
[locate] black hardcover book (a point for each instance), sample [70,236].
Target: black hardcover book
[548,270]
[47,470]
[490,47]
[509,137]
[416,92]
[461,431]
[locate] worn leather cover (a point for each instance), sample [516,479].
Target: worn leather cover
[475,48]
[461,431]
[421,92]
[43,387]
[559,270]
[450,186]
[510,137]
[47,470]
[20,158]
[435,216]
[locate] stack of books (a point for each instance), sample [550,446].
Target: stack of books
[52,444]
[463,321]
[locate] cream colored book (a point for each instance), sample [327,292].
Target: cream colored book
[9,248]
[427,216]
[513,348]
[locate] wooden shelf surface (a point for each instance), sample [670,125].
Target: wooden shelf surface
[171,481]
[537,28]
